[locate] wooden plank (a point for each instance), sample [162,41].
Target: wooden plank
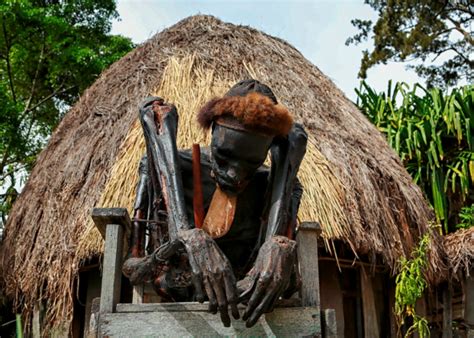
[93,292]
[104,216]
[281,322]
[391,306]
[189,306]
[112,271]
[469,300]
[137,295]
[371,320]
[307,239]
[469,303]
[36,321]
[93,327]
[447,311]
[328,323]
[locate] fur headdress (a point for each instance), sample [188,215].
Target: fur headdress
[248,105]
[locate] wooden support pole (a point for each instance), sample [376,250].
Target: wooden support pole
[117,225]
[329,325]
[469,303]
[307,248]
[137,295]
[307,239]
[112,270]
[371,320]
[447,311]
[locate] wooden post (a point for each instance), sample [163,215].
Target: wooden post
[371,320]
[469,303]
[112,269]
[137,296]
[36,327]
[307,239]
[116,223]
[329,325]
[307,247]
[447,311]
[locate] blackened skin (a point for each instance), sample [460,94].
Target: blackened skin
[235,157]
[235,164]
[160,122]
[268,279]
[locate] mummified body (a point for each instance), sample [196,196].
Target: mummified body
[244,251]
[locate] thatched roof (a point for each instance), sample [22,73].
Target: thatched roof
[459,248]
[355,185]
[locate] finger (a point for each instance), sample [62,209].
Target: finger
[197,283]
[245,294]
[259,292]
[259,310]
[272,301]
[196,279]
[211,296]
[231,293]
[221,300]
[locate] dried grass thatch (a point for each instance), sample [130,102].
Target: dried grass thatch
[354,183]
[459,248]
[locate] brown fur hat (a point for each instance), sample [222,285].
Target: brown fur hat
[253,111]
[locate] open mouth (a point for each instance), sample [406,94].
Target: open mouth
[229,187]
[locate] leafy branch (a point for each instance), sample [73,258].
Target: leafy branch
[410,285]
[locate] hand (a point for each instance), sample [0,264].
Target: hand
[213,270]
[269,277]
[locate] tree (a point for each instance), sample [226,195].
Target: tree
[433,133]
[50,51]
[437,33]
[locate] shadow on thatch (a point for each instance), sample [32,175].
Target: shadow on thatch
[354,183]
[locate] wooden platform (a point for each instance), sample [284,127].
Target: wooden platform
[112,319]
[192,319]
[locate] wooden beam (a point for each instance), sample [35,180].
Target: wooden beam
[307,250]
[369,309]
[112,270]
[36,329]
[104,216]
[307,239]
[447,311]
[287,322]
[328,323]
[191,306]
[137,293]
[469,303]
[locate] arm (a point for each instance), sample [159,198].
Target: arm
[140,208]
[210,268]
[159,123]
[287,155]
[271,274]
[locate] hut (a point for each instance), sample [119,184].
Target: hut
[457,293]
[370,211]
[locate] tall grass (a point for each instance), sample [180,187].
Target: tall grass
[433,133]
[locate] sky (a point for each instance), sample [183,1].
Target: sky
[318,29]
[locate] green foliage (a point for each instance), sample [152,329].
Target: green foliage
[410,285]
[421,30]
[466,217]
[433,133]
[19,327]
[50,51]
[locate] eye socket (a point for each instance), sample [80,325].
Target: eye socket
[219,159]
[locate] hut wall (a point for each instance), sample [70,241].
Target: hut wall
[469,302]
[331,292]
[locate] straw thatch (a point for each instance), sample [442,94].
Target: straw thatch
[355,185]
[459,248]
